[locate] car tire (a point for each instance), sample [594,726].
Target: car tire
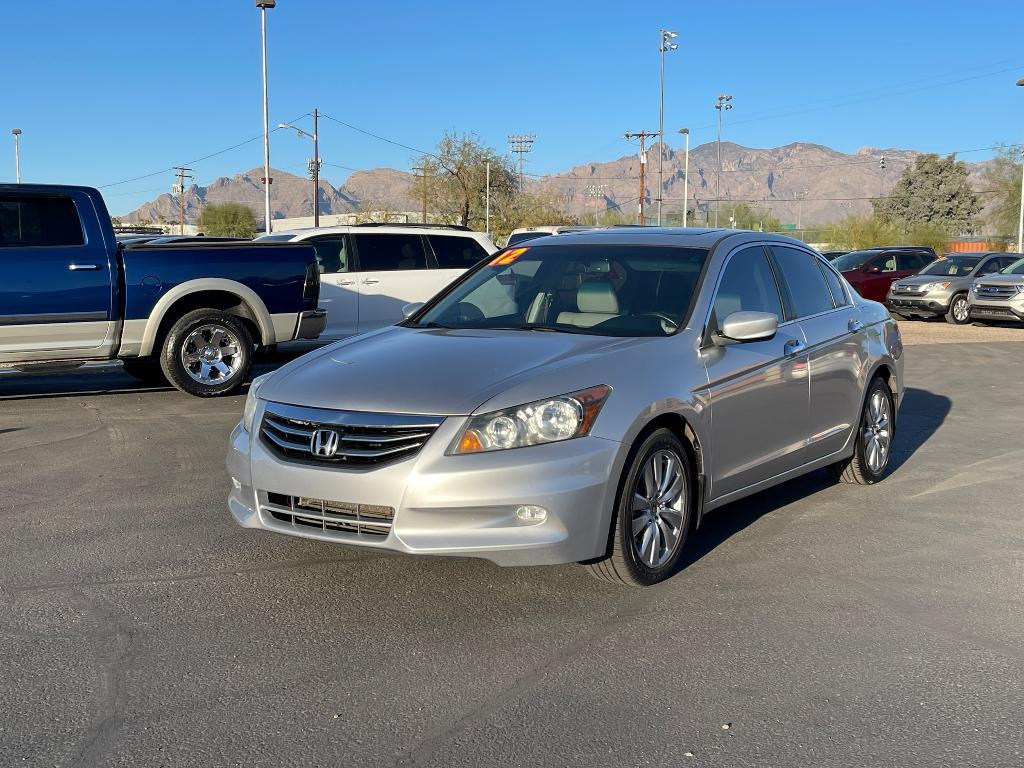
[146,370]
[653,514]
[958,313]
[207,353]
[876,431]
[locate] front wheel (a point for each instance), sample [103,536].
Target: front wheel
[874,437]
[958,313]
[207,353]
[653,514]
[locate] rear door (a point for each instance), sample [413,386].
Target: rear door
[453,255]
[836,346]
[758,389]
[57,278]
[339,288]
[392,273]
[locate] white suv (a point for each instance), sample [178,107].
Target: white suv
[370,271]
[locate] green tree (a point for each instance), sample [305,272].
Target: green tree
[856,232]
[228,220]
[933,191]
[1002,177]
[747,217]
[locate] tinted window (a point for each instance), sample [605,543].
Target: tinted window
[835,284]
[747,285]
[885,263]
[808,291]
[953,266]
[911,261]
[852,260]
[35,221]
[605,290]
[989,267]
[455,252]
[388,253]
[332,253]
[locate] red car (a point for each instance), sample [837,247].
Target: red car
[872,271]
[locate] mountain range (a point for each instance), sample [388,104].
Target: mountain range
[798,183]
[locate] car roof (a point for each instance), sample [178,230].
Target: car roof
[688,237]
[380,229]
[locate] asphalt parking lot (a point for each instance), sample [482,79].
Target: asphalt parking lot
[815,624]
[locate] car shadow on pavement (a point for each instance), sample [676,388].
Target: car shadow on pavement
[920,415]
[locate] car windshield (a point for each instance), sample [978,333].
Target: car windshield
[605,290]
[852,260]
[1017,268]
[951,266]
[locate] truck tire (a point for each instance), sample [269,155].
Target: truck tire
[207,353]
[958,313]
[145,369]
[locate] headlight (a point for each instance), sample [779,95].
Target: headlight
[544,421]
[251,400]
[934,287]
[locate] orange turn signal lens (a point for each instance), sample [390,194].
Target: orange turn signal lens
[470,442]
[505,258]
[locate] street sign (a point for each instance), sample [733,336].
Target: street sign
[263,180]
[789,226]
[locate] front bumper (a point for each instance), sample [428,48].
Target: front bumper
[447,505]
[925,304]
[311,324]
[1011,311]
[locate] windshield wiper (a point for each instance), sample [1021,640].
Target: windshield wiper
[432,325]
[540,328]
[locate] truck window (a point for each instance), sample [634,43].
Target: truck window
[38,220]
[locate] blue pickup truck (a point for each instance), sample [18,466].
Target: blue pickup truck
[71,297]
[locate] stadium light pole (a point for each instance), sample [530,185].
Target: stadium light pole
[721,105]
[666,44]
[1020,218]
[16,132]
[314,164]
[263,5]
[686,174]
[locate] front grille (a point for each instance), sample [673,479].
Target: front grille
[343,438]
[906,290]
[363,520]
[999,292]
[992,312]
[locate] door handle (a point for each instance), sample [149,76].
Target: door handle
[80,267]
[370,281]
[793,347]
[346,282]
[855,325]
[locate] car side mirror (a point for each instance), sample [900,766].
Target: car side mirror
[873,270]
[747,326]
[411,309]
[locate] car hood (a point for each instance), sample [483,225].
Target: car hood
[442,372]
[925,279]
[998,279]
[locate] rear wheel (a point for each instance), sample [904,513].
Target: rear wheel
[875,433]
[207,353]
[653,514]
[958,313]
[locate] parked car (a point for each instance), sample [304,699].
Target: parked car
[873,270]
[942,287]
[72,298]
[999,296]
[587,398]
[168,239]
[833,255]
[369,272]
[521,235]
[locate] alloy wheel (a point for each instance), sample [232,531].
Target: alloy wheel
[960,310]
[659,508]
[211,354]
[877,434]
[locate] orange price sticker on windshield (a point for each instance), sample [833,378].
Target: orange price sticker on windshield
[505,258]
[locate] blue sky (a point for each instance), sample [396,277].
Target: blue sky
[109,90]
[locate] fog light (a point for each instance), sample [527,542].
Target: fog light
[530,513]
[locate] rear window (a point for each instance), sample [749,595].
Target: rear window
[29,220]
[454,252]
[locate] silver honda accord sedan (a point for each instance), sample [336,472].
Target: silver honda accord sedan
[587,398]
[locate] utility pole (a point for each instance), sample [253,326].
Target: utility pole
[263,5]
[665,44]
[520,144]
[643,136]
[16,132]
[422,169]
[881,171]
[686,174]
[487,203]
[722,104]
[180,189]
[314,168]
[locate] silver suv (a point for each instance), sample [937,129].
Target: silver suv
[1001,296]
[943,287]
[586,398]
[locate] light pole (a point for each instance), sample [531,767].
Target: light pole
[666,44]
[1020,219]
[314,164]
[721,105]
[16,132]
[263,5]
[686,173]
